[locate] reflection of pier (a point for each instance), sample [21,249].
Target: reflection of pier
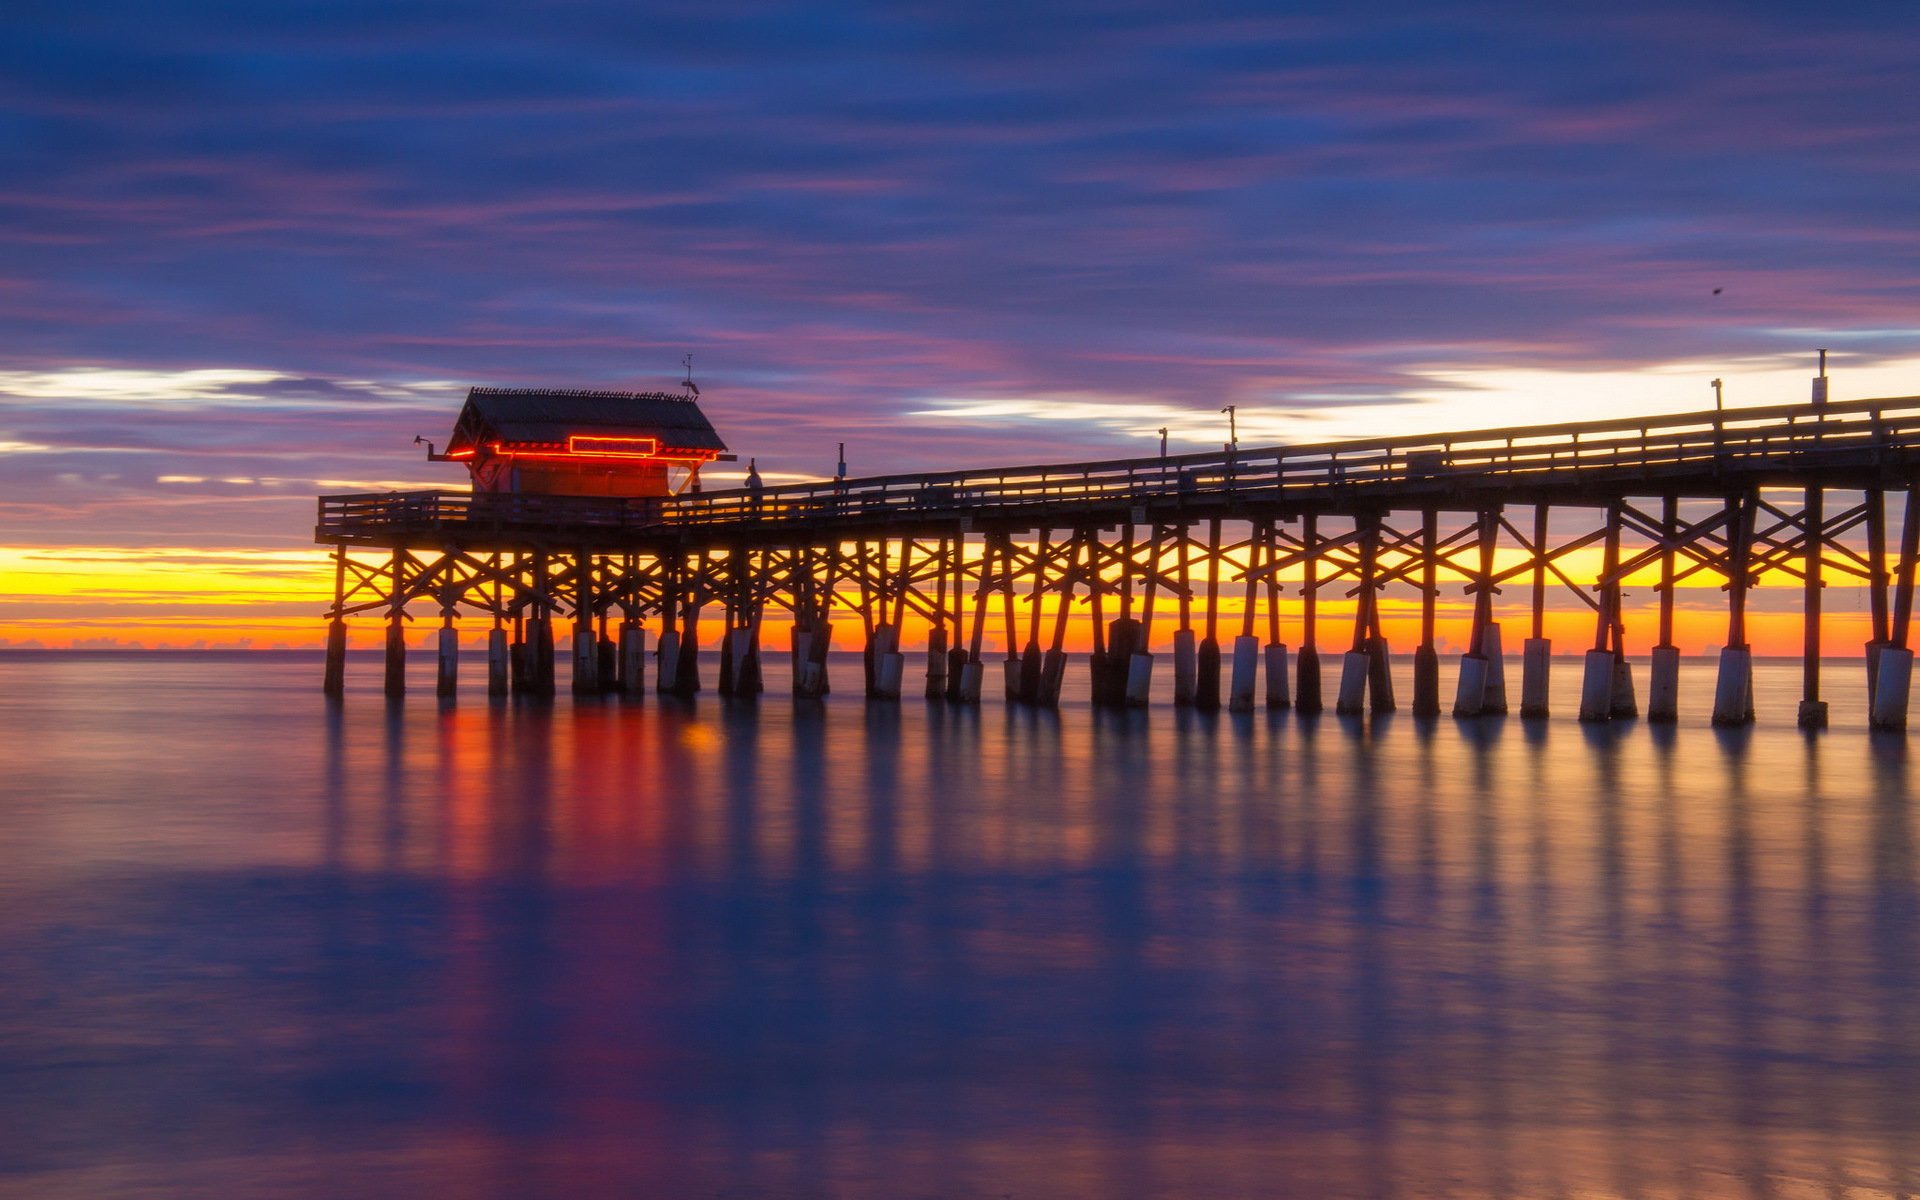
[1800,491]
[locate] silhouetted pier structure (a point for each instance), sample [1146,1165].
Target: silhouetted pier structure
[1798,492]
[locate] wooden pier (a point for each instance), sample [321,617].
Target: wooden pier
[1800,494]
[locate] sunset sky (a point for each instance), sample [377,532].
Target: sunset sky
[248,251]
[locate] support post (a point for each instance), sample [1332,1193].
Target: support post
[1813,710]
[1733,689]
[334,678]
[1426,657]
[446,680]
[1536,653]
[1306,696]
[498,661]
[396,675]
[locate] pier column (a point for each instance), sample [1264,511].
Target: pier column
[447,677]
[1426,657]
[1536,653]
[889,665]
[686,674]
[1275,656]
[937,663]
[1053,665]
[1206,690]
[519,662]
[1813,710]
[396,676]
[1663,684]
[1733,689]
[1889,709]
[586,658]
[1894,674]
[498,677]
[335,681]
[540,656]
[1876,501]
[1306,695]
[1186,661]
[1246,667]
[334,678]
[1536,667]
[1613,698]
[1277,675]
[1186,666]
[1351,700]
[633,658]
[1494,701]
[1596,686]
[1471,696]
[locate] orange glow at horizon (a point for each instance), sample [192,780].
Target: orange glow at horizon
[61,597]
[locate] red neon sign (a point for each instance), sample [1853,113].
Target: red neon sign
[613,447]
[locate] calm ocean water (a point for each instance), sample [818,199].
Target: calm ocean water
[256,946]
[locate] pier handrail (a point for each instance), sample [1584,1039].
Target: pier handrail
[1849,434]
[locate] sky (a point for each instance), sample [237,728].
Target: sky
[248,251]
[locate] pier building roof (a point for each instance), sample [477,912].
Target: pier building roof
[553,416]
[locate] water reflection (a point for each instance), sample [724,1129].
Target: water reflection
[688,948]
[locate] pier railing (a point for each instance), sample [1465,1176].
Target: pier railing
[1744,445]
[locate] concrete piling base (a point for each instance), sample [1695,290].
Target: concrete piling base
[1733,687]
[498,660]
[1053,673]
[1246,668]
[884,643]
[395,682]
[1139,680]
[1470,694]
[1380,677]
[1596,686]
[1873,671]
[937,664]
[1536,667]
[1306,695]
[540,657]
[1426,682]
[586,663]
[667,661]
[1890,691]
[1010,673]
[1663,686]
[888,672]
[1186,667]
[446,680]
[633,660]
[334,683]
[608,674]
[1277,676]
[743,660]
[1355,666]
[1624,704]
[1030,666]
[1206,682]
[971,675]
[1812,714]
[1493,702]
[956,677]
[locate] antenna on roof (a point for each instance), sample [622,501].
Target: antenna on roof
[693,389]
